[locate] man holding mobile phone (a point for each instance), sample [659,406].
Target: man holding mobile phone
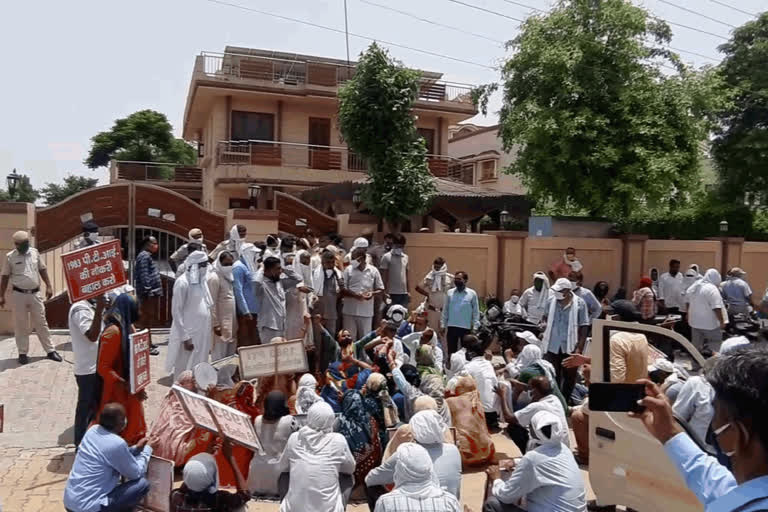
[740,424]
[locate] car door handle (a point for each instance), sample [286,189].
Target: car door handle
[604,432]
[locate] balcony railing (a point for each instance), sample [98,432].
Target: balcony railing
[302,73]
[152,171]
[335,158]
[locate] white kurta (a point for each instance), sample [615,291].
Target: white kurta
[295,310]
[222,315]
[315,468]
[191,321]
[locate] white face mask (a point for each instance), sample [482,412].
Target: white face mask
[514,299]
[559,295]
[226,271]
[575,285]
[397,251]
[91,236]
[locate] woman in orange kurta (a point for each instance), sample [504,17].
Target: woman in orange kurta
[242,399]
[114,368]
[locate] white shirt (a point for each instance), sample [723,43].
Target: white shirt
[551,404]
[86,351]
[315,473]
[485,378]
[548,478]
[360,281]
[701,305]
[529,300]
[694,405]
[671,290]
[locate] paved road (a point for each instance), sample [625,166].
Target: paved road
[36,450]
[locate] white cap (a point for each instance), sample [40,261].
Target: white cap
[360,243]
[562,284]
[529,337]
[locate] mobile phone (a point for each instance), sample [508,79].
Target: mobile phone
[615,397]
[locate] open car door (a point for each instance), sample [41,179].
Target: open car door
[628,466]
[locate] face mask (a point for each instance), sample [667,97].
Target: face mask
[91,236]
[559,295]
[388,247]
[459,285]
[716,434]
[192,247]
[23,247]
[515,299]
[361,265]
[275,278]
[397,251]
[226,271]
[575,285]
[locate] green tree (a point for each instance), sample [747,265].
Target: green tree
[144,136]
[740,147]
[53,193]
[377,122]
[25,192]
[595,123]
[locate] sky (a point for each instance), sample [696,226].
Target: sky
[72,68]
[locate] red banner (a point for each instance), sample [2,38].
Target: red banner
[93,270]
[139,360]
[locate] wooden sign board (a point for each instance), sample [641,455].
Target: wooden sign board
[94,270]
[272,359]
[139,360]
[235,425]
[160,478]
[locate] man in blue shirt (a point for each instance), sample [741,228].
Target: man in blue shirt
[740,425]
[103,458]
[246,305]
[594,308]
[149,287]
[461,313]
[566,332]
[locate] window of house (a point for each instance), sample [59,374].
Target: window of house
[488,170]
[236,203]
[428,134]
[253,126]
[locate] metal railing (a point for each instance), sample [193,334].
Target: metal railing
[153,171]
[303,73]
[306,156]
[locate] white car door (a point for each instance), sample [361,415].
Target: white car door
[627,466]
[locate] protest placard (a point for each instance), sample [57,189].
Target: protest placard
[93,270]
[272,359]
[232,424]
[160,478]
[139,360]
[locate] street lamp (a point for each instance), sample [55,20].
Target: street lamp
[357,199]
[253,195]
[723,227]
[13,180]
[504,218]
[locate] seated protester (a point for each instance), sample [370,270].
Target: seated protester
[425,362]
[316,457]
[427,337]
[694,401]
[457,368]
[542,400]
[102,459]
[416,485]
[513,306]
[200,489]
[173,436]
[306,394]
[344,347]
[240,397]
[361,424]
[547,476]
[376,388]
[485,377]
[273,428]
[404,434]
[529,364]
[668,377]
[475,443]
[417,323]
[428,430]
[739,425]
[408,381]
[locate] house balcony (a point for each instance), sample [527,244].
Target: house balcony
[304,76]
[339,160]
[185,180]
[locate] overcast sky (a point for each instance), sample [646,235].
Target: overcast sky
[72,68]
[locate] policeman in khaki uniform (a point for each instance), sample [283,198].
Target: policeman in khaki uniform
[24,268]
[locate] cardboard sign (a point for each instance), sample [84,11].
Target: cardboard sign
[272,359]
[93,270]
[160,477]
[219,418]
[139,360]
